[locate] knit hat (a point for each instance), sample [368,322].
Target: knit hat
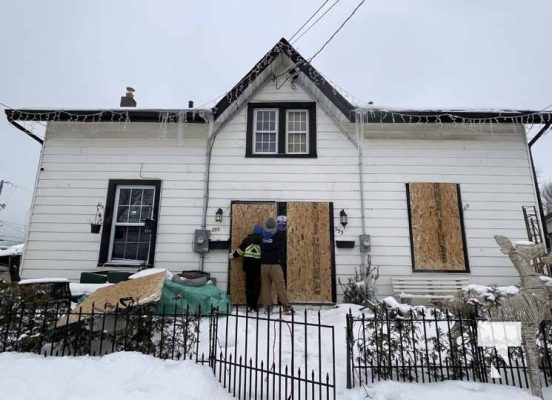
[282,222]
[270,224]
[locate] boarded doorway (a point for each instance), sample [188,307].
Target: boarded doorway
[310,255]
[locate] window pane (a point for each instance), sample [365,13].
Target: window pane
[124,196]
[146,213]
[122,214]
[265,131]
[147,198]
[133,233]
[297,132]
[118,250]
[131,251]
[143,250]
[136,198]
[134,215]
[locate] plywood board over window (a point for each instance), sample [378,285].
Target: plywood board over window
[436,227]
[310,271]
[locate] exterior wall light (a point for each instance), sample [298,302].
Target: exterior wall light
[343,218]
[218,215]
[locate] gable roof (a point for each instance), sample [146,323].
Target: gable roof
[256,76]
[300,63]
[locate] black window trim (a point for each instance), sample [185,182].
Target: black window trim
[282,108]
[108,218]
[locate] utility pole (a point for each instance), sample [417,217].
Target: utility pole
[1,186]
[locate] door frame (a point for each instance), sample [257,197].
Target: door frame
[277,204]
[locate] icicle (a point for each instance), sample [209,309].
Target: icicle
[163,125]
[180,124]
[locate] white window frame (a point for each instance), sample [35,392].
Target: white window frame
[114,224]
[255,131]
[287,132]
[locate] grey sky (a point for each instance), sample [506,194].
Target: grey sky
[400,53]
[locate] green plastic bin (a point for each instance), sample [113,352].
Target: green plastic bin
[117,276]
[92,277]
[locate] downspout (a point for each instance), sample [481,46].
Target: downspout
[359,125]
[536,183]
[208,151]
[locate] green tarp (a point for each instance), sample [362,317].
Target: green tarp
[177,295]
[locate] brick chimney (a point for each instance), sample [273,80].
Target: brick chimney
[128,99]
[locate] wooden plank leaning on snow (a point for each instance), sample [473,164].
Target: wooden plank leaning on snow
[429,288]
[141,290]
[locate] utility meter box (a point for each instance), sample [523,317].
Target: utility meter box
[201,241]
[364,242]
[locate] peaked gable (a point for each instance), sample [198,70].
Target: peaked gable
[259,72]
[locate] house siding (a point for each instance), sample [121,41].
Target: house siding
[493,172]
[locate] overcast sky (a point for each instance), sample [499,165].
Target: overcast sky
[400,53]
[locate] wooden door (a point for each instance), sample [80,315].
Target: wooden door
[244,218]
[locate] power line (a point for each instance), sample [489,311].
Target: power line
[311,17]
[315,22]
[289,71]
[338,29]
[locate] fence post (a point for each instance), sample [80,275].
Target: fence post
[349,343]
[213,328]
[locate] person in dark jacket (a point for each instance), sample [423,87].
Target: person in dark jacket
[250,250]
[272,246]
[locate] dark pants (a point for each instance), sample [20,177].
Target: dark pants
[252,284]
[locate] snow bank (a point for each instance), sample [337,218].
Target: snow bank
[150,271]
[119,376]
[488,292]
[79,289]
[450,390]
[546,280]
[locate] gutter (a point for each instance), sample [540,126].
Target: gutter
[536,183]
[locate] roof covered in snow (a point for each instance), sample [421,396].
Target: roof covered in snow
[12,251]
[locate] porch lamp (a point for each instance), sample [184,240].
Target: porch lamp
[343,218]
[218,215]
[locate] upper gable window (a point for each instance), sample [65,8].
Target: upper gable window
[281,130]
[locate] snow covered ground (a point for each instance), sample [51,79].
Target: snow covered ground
[133,376]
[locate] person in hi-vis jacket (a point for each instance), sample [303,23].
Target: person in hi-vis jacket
[250,250]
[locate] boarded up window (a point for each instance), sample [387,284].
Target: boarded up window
[436,228]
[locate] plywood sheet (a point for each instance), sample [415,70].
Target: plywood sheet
[436,228]
[142,291]
[244,217]
[309,255]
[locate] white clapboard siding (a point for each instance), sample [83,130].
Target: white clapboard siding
[492,170]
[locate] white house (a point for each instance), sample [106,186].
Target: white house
[423,192]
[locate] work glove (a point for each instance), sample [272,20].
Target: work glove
[231,255]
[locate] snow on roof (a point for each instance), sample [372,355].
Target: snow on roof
[43,280]
[13,250]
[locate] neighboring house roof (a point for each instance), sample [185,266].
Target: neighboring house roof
[12,251]
[258,75]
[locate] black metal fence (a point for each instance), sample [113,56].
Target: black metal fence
[54,331]
[430,345]
[253,355]
[274,356]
